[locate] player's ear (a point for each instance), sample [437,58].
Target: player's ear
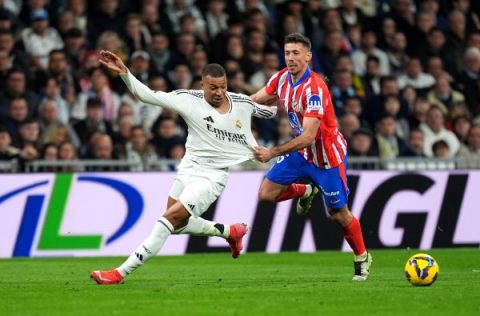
[309,56]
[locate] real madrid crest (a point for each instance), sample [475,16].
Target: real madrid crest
[238,124]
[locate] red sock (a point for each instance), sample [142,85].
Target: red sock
[294,190]
[354,237]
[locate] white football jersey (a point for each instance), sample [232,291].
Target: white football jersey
[214,140]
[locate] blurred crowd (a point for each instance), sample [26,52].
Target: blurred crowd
[404,74]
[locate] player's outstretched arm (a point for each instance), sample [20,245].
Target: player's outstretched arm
[262,97]
[310,129]
[141,91]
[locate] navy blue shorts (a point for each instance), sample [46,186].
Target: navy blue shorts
[332,182]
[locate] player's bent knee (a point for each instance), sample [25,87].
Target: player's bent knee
[266,196]
[177,215]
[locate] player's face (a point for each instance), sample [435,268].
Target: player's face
[214,90]
[297,57]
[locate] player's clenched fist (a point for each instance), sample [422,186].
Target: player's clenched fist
[263,154]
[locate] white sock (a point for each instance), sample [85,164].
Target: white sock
[149,248]
[198,226]
[362,257]
[308,191]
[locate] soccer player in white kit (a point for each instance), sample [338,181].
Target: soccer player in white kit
[219,136]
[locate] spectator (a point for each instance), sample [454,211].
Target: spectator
[440,149]
[436,69]
[419,112]
[216,18]
[349,123]
[17,114]
[75,50]
[188,25]
[7,151]
[135,36]
[18,58]
[456,41]
[100,89]
[472,148]
[93,121]
[49,153]
[52,130]
[165,136]
[371,79]
[138,150]
[79,11]
[468,81]
[461,128]
[140,65]
[392,107]
[51,90]
[341,89]
[269,68]
[109,40]
[397,53]
[178,8]
[107,18]
[40,39]
[351,14]
[180,77]
[416,141]
[67,152]
[443,96]
[415,77]
[330,51]
[185,46]
[359,57]
[17,88]
[434,130]
[161,56]
[284,131]
[389,144]
[198,61]
[29,134]
[361,144]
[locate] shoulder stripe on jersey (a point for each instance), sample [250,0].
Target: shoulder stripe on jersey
[191,92]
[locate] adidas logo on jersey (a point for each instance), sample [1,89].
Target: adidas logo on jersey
[191,206]
[209,119]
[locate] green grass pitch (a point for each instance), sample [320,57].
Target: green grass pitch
[254,284]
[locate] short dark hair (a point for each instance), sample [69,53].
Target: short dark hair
[94,102]
[298,38]
[439,144]
[213,70]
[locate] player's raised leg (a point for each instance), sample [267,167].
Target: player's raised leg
[279,183]
[176,216]
[233,233]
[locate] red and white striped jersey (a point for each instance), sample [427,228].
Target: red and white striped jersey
[310,97]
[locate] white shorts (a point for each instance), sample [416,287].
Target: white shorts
[197,187]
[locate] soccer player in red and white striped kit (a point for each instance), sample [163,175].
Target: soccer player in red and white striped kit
[318,151]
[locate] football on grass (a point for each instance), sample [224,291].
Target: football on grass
[421,269]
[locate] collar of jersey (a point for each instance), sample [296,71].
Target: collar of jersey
[303,78]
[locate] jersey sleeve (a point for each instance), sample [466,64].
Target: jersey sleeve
[316,99]
[272,85]
[263,111]
[145,94]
